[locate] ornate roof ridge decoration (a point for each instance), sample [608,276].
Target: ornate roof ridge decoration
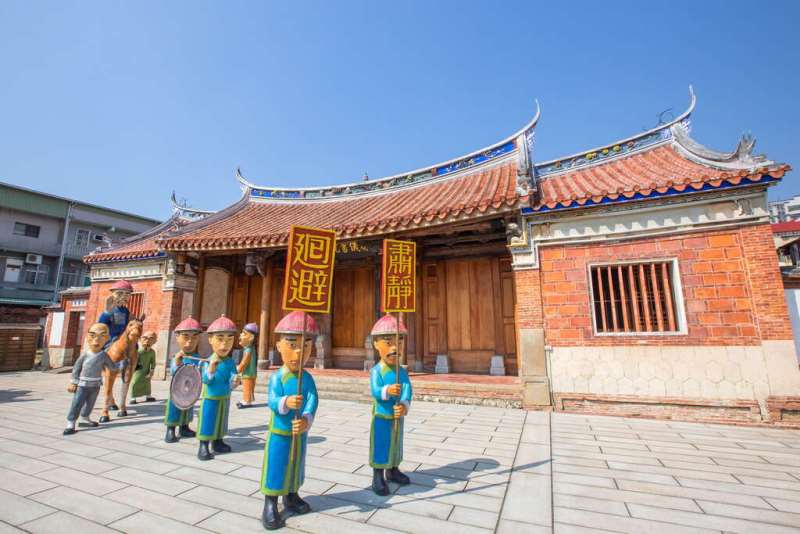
[205,221]
[185,212]
[741,158]
[521,139]
[661,134]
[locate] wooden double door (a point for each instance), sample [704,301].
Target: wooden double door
[465,309]
[468,313]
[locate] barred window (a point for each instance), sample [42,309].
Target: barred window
[136,304]
[635,298]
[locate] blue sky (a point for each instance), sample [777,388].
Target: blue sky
[119,103]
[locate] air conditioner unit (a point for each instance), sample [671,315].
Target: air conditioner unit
[33,258]
[98,237]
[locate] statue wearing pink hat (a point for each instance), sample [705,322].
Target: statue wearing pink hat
[219,377]
[187,336]
[248,366]
[391,400]
[283,470]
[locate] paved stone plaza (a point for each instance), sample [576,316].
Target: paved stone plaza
[473,469]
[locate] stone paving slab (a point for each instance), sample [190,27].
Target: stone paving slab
[474,470]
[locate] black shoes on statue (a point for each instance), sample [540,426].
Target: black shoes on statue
[397,477]
[270,516]
[220,447]
[379,485]
[171,437]
[122,413]
[104,418]
[187,432]
[203,453]
[297,505]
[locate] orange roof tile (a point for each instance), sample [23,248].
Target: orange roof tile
[647,173]
[786,227]
[265,223]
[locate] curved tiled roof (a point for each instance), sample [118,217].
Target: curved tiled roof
[653,172]
[265,223]
[141,246]
[490,182]
[146,248]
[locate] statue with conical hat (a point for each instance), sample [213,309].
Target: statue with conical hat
[219,378]
[187,336]
[248,366]
[391,399]
[283,470]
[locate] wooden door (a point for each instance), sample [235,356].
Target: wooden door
[468,313]
[434,292]
[471,331]
[353,315]
[507,298]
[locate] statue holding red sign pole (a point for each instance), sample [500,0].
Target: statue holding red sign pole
[292,393]
[390,385]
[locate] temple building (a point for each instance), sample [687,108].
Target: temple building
[636,278]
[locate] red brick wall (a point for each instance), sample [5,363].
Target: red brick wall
[731,286]
[155,303]
[527,285]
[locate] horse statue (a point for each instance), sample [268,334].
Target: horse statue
[125,347]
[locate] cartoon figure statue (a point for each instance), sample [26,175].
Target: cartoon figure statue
[283,470]
[391,400]
[143,370]
[247,367]
[187,336]
[116,317]
[219,377]
[116,314]
[91,365]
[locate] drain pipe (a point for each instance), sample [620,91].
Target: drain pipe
[548,353]
[60,265]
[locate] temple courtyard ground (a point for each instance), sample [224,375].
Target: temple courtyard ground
[473,470]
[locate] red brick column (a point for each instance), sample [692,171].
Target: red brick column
[766,285]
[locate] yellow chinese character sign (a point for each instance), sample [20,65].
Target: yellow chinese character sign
[399,276]
[309,269]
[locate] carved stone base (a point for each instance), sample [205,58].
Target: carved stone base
[442,364]
[498,366]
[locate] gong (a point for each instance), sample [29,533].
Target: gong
[186,386]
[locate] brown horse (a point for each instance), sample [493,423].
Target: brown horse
[125,347]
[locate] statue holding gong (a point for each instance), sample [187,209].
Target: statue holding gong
[186,383]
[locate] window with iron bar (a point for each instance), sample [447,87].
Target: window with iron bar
[637,298]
